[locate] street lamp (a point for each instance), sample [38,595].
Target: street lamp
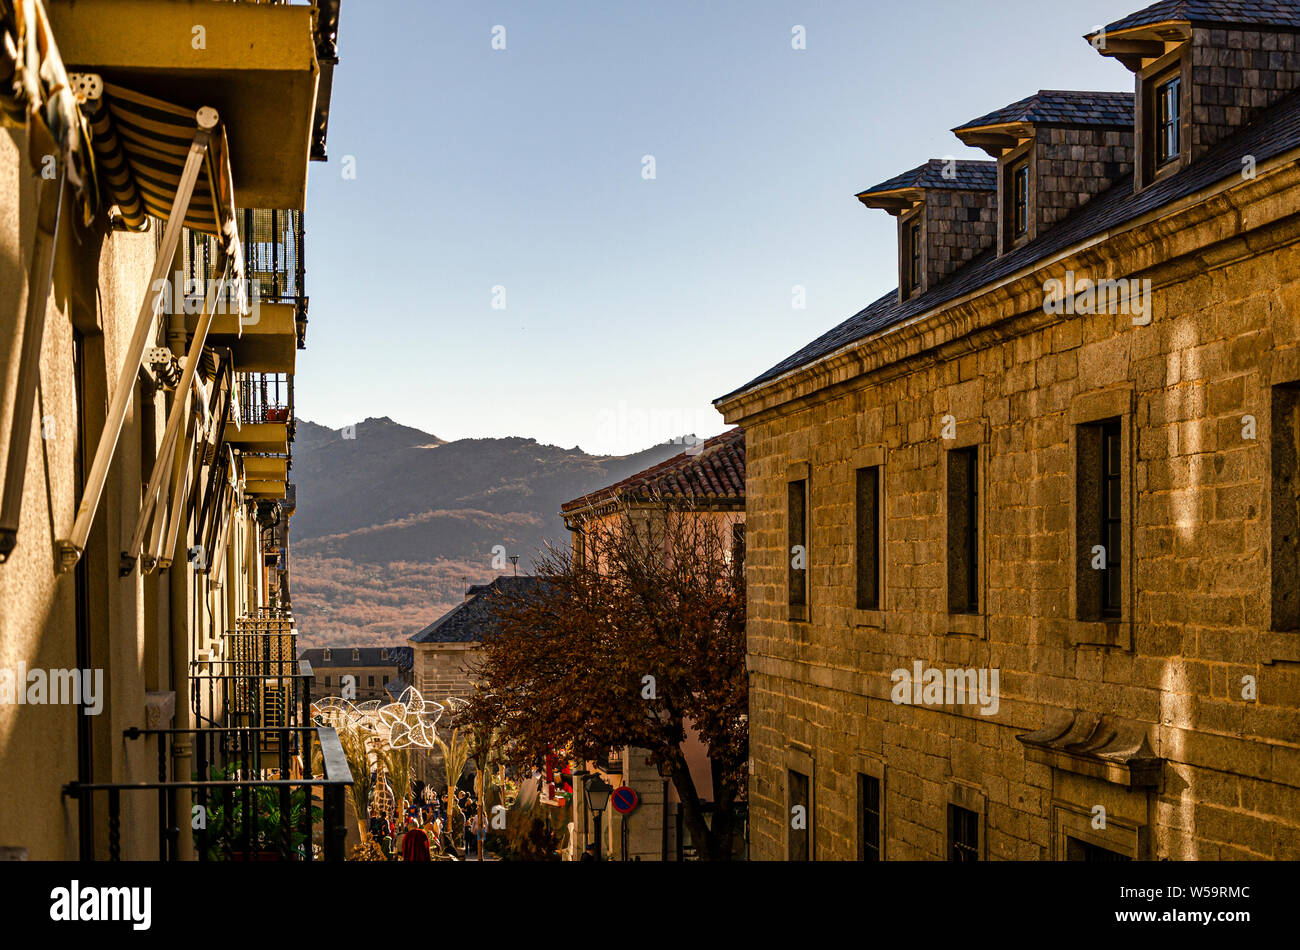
[597,791]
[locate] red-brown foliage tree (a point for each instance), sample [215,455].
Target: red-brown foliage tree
[623,645]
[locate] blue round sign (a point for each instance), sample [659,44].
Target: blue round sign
[624,800]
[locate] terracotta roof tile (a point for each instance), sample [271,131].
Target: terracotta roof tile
[714,471]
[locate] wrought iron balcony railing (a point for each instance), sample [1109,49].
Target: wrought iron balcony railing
[265,397]
[272,240]
[254,805]
[256,680]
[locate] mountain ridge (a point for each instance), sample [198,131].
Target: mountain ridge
[393,522]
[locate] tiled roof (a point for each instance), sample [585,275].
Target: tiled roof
[1276,131]
[1063,107]
[367,656]
[716,471]
[966,175]
[475,618]
[1284,13]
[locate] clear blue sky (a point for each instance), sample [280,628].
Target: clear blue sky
[478,168]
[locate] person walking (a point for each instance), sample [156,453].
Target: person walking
[415,845]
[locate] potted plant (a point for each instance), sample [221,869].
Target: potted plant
[224,834]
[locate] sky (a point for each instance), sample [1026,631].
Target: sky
[633,208]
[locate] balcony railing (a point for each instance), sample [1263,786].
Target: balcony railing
[256,681]
[254,805]
[265,397]
[273,258]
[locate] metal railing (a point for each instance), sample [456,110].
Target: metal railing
[274,264]
[254,805]
[264,397]
[256,681]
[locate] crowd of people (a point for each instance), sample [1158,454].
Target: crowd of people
[415,832]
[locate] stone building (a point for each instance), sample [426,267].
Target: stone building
[373,671]
[708,482]
[444,651]
[1046,502]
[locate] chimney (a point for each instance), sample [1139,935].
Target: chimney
[1202,70]
[1055,151]
[947,216]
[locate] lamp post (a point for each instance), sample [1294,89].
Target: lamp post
[597,791]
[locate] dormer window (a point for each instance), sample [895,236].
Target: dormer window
[325,655]
[1168,121]
[356,656]
[1020,199]
[914,256]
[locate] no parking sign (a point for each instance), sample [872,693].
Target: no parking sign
[624,800]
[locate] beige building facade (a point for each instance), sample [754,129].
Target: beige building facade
[139,493]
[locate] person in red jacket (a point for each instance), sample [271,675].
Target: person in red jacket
[415,845]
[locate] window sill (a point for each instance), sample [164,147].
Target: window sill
[1281,646]
[797,613]
[1102,633]
[869,618]
[968,625]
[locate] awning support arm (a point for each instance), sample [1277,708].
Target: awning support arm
[39,278]
[70,550]
[180,402]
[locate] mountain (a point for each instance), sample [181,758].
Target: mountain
[392,523]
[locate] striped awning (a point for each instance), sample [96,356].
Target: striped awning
[141,144]
[35,93]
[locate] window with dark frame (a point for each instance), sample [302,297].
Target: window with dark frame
[963,834]
[914,256]
[1020,200]
[963,531]
[868,818]
[868,538]
[1100,520]
[1078,850]
[1112,507]
[1284,529]
[797,548]
[1168,103]
[800,837]
[738,548]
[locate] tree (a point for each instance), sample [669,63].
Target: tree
[623,645]
[455,753]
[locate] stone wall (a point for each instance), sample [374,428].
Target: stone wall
[1197,614]
[1234,75]
[1075,165]
[959,225]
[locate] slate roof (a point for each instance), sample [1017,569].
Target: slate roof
[1276,131]
[1063,107]
[968,176]
[369,656]
[715,472]
[1285,13]
[475,618]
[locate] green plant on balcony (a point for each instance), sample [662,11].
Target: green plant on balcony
[267,839]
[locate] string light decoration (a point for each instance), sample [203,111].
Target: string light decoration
[409,723]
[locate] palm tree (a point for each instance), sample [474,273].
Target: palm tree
[455,753]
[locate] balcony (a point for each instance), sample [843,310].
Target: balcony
[264,432]
[253,679]
[265,67]
[267,339]
[256,787]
